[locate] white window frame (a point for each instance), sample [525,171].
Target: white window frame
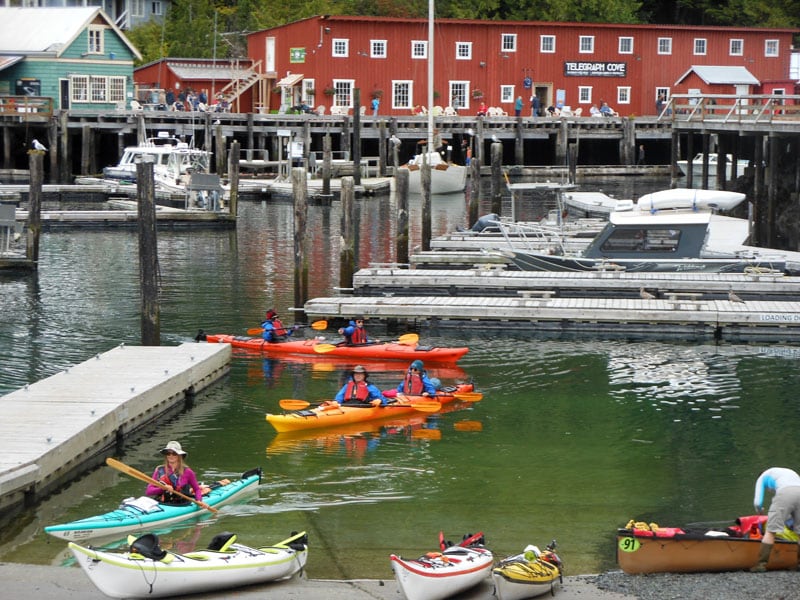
[508,42]
[664,46]
[137,8]
[463,50]
[623,94]
[408,84]
[95,37]
[584,94]
[732,44]
[340,48]
[625,40]
[343,96]
[419,49]
[459,94]
[157,8]
[507,94]
[98,89]
[378,48]
[700,46]
[586,44]
[116,89]
[547,44]
[79,88]
[772,48]
[308,84]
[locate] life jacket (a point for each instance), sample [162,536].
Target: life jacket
[359,336]
[279,328]
[172,479]
[356,391]
[412,384]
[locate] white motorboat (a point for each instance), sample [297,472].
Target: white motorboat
[713,159]
[147,571]
[594,204]
[668,231]
[446,177]
[444,573]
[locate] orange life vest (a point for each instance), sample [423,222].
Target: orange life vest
[356,391]
[412,384]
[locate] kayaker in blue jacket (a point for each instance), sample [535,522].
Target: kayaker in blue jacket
[355,334]
[785,505]
[274,330]
[360,391]
[416,381]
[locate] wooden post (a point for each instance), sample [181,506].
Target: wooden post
[7,161]
[674,157]
[346,136]
[572,162]
[300,194]
[86,149]
[250,126]
[497,176]
[148,253]
[401,193]
[475,190]
[52,145]
[207,132]
[689,160]
[756,234]
[357,136]
[219,150]
[326,165]
[382,137]
[347,256]
[425,184]
[562,138]
[704,176]
[233,179]
[519,143]
[64,169]
[36,166]
[772,188]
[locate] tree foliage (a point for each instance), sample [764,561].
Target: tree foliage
[208,28]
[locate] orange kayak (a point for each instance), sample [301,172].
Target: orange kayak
[380,351]
[327,416]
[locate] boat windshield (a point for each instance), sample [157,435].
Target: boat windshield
[663,240]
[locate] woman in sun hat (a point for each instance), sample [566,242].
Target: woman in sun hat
[359,391]
[177,476]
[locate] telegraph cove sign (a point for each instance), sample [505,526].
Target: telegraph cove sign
[595,69]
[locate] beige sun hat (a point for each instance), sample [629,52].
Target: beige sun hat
[173,447]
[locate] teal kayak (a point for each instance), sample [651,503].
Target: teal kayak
[144,512]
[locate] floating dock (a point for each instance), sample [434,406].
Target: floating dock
[58,428]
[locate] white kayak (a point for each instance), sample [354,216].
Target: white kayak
[445,573]
[147,571]
[527,575]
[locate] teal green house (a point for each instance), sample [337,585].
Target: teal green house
[76,56]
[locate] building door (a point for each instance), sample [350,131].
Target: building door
[63,94]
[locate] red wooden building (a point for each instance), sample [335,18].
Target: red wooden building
[322,60]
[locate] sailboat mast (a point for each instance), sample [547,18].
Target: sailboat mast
[431,62]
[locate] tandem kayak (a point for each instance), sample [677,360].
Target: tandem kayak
[144,512]
[333,416]
[379,351]
[147,571]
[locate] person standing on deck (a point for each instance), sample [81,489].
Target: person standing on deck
[518,107]
[785,505]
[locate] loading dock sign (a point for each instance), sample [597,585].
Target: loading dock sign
[595,69]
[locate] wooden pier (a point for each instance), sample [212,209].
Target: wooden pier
[60,427]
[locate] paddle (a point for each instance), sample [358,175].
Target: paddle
[430,406]
[120,466]
[468,396]
[317,325]
[407,339]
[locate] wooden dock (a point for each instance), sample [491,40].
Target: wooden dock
[60,427]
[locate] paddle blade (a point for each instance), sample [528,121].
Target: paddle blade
[408,339]
[319,325]
[468,426]
[292,404]
[426,406]
[324,348]
[468,396]
[255,331]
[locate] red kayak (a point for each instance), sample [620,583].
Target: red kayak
[379,351]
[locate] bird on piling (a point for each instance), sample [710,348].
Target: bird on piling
[37,145]
[645,295]
[733,297]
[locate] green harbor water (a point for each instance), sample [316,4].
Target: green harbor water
[573,438]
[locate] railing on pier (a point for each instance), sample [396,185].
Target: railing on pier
[26,105]
[732,108]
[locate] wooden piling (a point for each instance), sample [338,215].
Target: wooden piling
[401,195]
[36,166]
[382,137]
[219,150]
[497,177]
[519,143]
[348,228]
[425,184]
[357,136]
[233,178]
[52,145]
[300,195]
[86,150]
[148,253]
[475,190]
[326,165]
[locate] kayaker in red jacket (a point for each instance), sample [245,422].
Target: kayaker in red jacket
[416,382]
[359,391]
[355,334]
[177,476]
